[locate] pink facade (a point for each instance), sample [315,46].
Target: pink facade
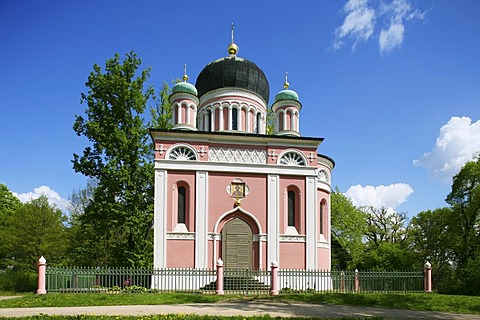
[224,189]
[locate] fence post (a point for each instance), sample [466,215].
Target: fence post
[427,277]
[274,279]
[42,266]
[357,284]
[342,281]
[220,277]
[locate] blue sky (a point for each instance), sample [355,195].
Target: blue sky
[392,86]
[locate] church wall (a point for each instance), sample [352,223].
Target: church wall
[297,184]
[324,241]
[221,202]
[176,179]
[324,261]
[292,255]
[181,253]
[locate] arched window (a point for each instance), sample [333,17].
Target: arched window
[291,209]
[321,217]
[234,119]
[209,121]
[181,153]
[181,205]
[257,127]
[292,158]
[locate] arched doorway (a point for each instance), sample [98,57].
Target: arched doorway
[237,238]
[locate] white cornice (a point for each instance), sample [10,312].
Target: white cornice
[237,139]
[235,168]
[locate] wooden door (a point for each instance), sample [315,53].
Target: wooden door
[237,244]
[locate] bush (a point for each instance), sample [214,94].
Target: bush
[18,281]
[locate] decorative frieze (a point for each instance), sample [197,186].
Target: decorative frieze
[180,235]
[291,238]
[232,155]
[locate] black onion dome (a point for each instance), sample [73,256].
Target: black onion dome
[233,72]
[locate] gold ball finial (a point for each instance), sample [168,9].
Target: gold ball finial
[185,77]
[232,47]
[286,85]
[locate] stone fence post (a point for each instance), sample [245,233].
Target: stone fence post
[357,282]
[42,267]
[220,277]
[274,279]
[427,277]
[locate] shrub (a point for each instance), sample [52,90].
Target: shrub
[18,281]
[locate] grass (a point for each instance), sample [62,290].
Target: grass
[408,301]
[411,301]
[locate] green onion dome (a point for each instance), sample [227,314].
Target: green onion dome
[286,95]
[184,87]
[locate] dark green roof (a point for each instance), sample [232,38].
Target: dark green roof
[233,72]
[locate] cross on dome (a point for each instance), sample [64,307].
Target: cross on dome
[232,47]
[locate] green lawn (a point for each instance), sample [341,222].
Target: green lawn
[412,301]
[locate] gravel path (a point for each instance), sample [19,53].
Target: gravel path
[274,309]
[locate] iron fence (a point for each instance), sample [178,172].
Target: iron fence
[88,279]
[235,281]
[350,281]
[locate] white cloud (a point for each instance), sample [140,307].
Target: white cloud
[456,144]
[361,17]
[390,196]
[52,196]
[392,37]
[358,24]
[396,13]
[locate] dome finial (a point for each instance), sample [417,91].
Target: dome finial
[286,84]
[232,47]
[185,77]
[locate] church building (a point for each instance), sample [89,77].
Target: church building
[225,188]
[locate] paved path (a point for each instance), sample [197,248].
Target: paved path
[252,308]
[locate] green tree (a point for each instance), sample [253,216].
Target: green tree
[465,201]
[348,228]
[120,158]
[464,229]
[270,127]
[8,204]
[432,241]
[161,109]
[388,256]
[387,241]
[35,229]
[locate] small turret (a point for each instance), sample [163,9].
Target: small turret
[184,103]
[287,107]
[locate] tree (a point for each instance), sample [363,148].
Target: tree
[465,201]
[270,121]
[35,229]
[432,241]
[120,159]
[464,229]
[348,229]
[385,225]
[8,204]
[161,109]
[387,246]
